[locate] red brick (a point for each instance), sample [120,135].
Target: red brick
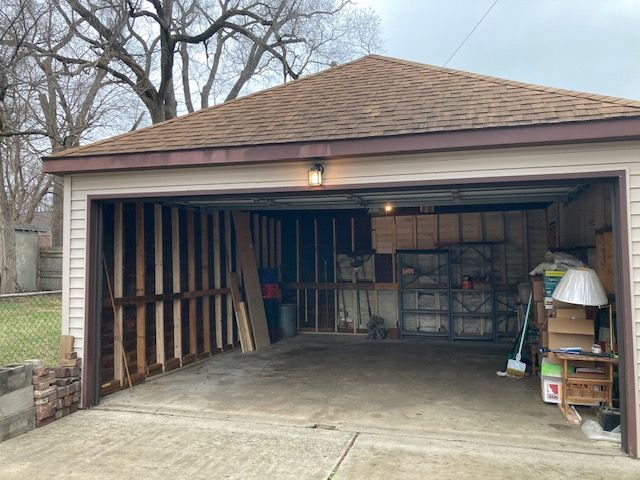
[45,411]
[44,421]
[61,382]
[44,393]
[68,400]
[76,397]
[62,372]
[73,408]
[58,414]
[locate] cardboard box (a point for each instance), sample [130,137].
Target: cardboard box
[551,389]
[572,326]
[537,288]
[570,313]
[544,339]
[540,314]
[564,340]
[556,305]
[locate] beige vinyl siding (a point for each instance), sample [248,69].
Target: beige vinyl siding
[452,166]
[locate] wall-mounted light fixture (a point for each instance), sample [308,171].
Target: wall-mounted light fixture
[315,175]
[388,208]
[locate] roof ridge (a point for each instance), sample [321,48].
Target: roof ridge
[219,105]
[627,102]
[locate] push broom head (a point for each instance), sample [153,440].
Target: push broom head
[516,368]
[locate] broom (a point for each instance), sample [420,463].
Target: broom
[515,367]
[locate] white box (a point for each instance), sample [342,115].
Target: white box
[551,389]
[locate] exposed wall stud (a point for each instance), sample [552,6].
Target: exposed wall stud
[159,284]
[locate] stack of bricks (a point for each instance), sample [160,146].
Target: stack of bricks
[57,390]
[56,393]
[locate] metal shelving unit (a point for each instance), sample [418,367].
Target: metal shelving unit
[433,303]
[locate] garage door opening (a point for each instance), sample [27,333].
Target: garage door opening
[443,273]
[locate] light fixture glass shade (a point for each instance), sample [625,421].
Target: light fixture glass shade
[315,175]
[581,286]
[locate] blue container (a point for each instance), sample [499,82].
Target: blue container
[268,275]
[288,320]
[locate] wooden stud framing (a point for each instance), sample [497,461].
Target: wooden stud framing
[264,241]
[298,274]
[175,268]
[278,244]
[206,301]
[229,257]
[316,260]
[273,260]
[118,290]
[256,236]
[191,279]
[159,284]
[217,263]
[141,310]
[335,276]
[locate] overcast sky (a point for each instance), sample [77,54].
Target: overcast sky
[585,45]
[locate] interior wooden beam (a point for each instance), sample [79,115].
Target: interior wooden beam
[278,244]
[191,281]
[118,289]
[335,276]
[217,282]
[206,302]
[229,263]
[264,241]
[141,320]
[388,287]
[175,269]
[272,243]
[298,273]
[317,277]
[159,284]
[256,236]
[165,297]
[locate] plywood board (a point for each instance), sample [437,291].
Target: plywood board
[448,229]
[253,292]
[471,227]
[426,231]
[493,226]
[405,232]
[605,261]
[383,234]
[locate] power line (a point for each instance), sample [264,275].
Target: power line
[470,33]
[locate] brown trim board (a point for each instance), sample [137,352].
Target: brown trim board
[550,134]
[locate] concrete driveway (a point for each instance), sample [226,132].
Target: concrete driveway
[100,444]
[317,408]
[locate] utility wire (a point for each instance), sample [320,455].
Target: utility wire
[470,33]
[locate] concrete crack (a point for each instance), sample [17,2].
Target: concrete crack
[344,455]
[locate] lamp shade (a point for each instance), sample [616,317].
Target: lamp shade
[581,286]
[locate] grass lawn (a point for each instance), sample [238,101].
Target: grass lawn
[30,328]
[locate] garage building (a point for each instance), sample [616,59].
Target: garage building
[415,196]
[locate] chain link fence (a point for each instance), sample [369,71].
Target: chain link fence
[30,327]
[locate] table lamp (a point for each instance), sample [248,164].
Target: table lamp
[581,286]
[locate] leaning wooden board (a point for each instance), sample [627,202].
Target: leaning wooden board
[244,328]
[257,315]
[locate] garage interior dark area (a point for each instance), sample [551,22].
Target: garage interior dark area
[381,307]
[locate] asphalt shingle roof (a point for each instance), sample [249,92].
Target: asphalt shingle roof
[371,97]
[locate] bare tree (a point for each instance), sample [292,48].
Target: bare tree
[44,107]
[163,50]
